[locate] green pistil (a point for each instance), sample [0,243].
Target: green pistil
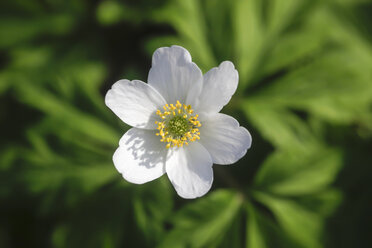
[178,126]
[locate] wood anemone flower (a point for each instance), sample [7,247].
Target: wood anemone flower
[176,125]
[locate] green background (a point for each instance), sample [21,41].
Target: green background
[305,94]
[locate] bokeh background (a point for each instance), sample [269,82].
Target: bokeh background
[305,94]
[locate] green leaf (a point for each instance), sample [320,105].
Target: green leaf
[187,18]
[294,47]
[4,82]
[103,220]
[263,232]
[301,225]
[218,13]
[325,87]
[333,83]
[68,115]
[248,37]
[152,205]
[234,236]
[8,156]
[255,237]
[110,217]
[87,178]
[204,222]
[48,171]
[279,126]
[110,12]
[324,202]
[17,30]
[280,14]
[297,173]
[30,58]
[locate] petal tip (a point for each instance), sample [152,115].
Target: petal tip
[175,50]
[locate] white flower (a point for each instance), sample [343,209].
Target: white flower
[177,127]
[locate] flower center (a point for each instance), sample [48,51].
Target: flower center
[178,126]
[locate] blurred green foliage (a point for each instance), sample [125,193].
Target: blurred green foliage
[305,93]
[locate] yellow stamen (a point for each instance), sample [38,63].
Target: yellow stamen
[177,126]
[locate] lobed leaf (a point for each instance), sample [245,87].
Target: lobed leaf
[203,222]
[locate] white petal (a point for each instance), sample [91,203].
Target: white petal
[141,156]
[189,168]
[175,76]
[219,85]
[224,139]
[135,102]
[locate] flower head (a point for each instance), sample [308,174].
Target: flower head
[176,125]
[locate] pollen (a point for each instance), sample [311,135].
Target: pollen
[178,125]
